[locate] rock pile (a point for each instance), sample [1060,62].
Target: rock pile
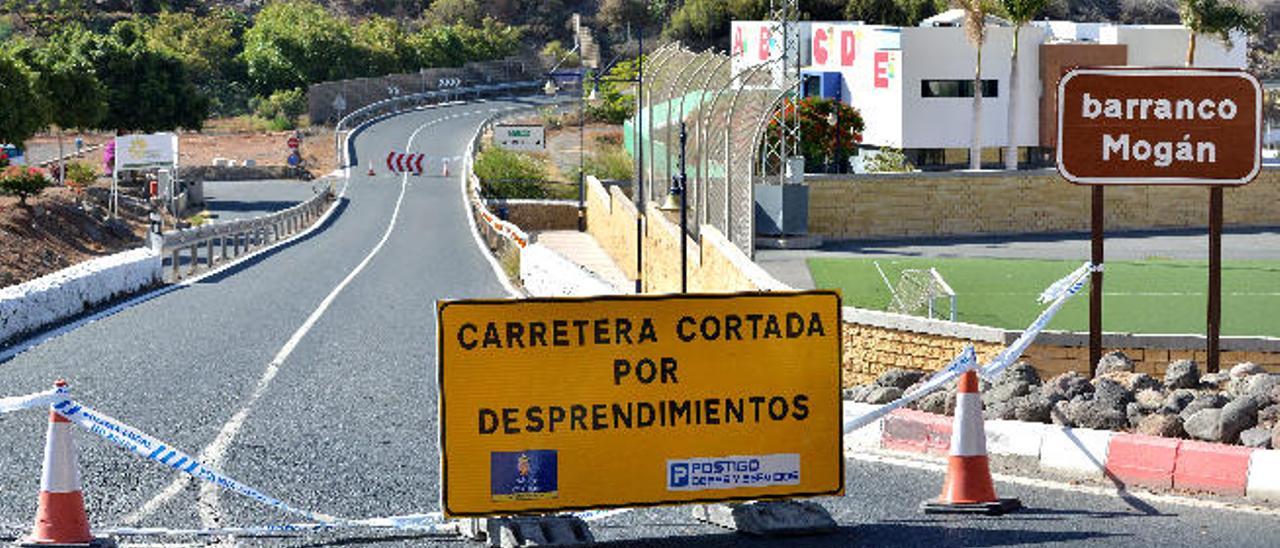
[1241,406]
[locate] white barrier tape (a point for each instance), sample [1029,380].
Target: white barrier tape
[1056,289]
[1060,291]
[1014,351]
[19,403]
[151,448]
[964,361]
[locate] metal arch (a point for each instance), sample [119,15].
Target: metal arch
[690,88]
[742,81]
[677,84]
[755,146]
[661,56]
[700,169]
[685,60]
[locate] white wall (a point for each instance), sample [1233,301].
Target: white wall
[66,293]
[945,54]
[1166,46]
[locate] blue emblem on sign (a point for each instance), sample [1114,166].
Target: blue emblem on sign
[678,474]
[523,475]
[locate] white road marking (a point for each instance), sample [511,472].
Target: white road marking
[1098,490]
[41,338]
[213,454]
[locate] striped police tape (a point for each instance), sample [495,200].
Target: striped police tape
[153,449]
[150,448]
[1057,294]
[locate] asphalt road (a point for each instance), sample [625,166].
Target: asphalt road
[334,411]
[228,200]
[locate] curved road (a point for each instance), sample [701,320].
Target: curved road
[309,373]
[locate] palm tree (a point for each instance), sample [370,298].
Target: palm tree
[1218,17]
[1020,12]
[975,29]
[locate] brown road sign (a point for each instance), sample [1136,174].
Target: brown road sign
[1159,126]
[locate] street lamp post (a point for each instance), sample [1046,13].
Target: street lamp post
[639,156]
[678,182]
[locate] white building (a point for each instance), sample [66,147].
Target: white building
[914,85]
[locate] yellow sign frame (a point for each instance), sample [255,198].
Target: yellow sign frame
[792,466]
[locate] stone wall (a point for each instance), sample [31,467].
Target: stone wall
[971,203]
[714,264]
[877,341]
[611,220]
[534,215]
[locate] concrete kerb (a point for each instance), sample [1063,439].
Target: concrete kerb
[1264,475]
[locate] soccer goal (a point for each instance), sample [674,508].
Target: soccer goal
[919,292]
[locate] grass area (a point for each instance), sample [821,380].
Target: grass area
[1151,296]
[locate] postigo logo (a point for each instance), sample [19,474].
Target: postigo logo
[698,474]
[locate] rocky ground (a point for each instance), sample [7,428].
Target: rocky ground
[1240,406]
[59,229]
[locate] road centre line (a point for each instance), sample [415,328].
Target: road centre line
[216,451]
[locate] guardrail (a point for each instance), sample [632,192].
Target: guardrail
[387,107]
[240,236]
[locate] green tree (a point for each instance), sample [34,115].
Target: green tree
[903,13]
[146,90]
[74,96]
[453,12]
[293,43]
[706,23]
[22,111]
[1019,12]
[23,182]
[208,44]
[1219,17]
[382,46]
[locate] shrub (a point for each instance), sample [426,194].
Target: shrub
[79,176]
[889,160]
[282,108]
[507,174]
[23,182]
[612,163]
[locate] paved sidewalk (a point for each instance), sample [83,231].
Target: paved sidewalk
[582,249]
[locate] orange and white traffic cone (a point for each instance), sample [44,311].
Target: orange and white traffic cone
[60,516]
[968,487]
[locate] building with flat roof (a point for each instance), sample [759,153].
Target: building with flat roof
[914,85]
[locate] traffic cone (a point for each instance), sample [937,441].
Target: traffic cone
[371,173]
[968,487]
[60,516]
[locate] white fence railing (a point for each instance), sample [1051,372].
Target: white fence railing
[240,236]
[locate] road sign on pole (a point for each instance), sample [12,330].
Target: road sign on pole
[293,142]
[1159,126]
[567,404]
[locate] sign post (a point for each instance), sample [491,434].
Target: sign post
[551,405]
[1160,126]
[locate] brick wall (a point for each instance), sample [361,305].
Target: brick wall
[942,204]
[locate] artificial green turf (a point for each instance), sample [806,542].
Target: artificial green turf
[1153,296]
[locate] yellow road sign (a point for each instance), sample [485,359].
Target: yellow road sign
[568,404]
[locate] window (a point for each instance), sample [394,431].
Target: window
[957,88]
